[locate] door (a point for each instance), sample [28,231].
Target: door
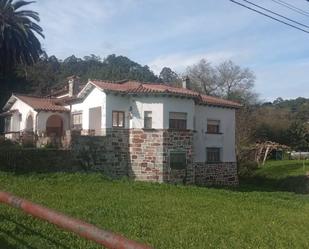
[95,120]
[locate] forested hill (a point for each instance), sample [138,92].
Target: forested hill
[298,108]
[282,121]
[50,71]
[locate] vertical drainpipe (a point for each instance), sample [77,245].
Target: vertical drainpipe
[70,124]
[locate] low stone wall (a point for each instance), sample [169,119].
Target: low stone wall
[216,174]
[141,154]
[108,154]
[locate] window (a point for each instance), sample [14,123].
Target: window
[20,117]
[178,160]
[7,124]
[213,126]
[77,120]
[118,119]
[148,120]
[178,120]
[213,155]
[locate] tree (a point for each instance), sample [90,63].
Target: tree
[227,80]
[236,83]
[298,136]
[18,30]
[203,77]
[167,75]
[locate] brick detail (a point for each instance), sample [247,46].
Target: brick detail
[216,174]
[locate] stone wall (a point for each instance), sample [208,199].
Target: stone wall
[109,153]
[140,154]
[146,155]
[149,154]
[178,141]
[216,174]
[143,154]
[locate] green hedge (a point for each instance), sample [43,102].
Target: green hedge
[38,160]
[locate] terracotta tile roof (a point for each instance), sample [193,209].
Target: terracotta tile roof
[134,87]
[42,104]
[219,102]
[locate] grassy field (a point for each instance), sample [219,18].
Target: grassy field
[280,176]
[164,216]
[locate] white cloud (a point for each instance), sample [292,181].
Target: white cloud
[180,61]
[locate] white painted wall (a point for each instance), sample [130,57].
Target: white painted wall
[160,108]
[172,104]
[226,140]
[142,104]
[117,103]
[25,110]
[96,98]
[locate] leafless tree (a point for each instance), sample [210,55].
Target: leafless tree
[235,82]
[203,77]
[226,80]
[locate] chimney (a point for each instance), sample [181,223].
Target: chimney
[73,85]
[186,82]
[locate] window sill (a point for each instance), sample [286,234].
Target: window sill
[214,133]
[213,162]
[149,129]
[173,129]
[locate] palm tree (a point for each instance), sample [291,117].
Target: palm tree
[18,29]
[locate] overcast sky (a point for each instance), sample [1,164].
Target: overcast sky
[178,33]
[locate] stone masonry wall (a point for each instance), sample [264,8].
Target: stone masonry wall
[143,155]
[216,174]
[175,140]
[149,154]
[146,155]
[109,154]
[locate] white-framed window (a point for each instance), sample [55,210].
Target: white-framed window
[213,126]
[77,120]
[118,119]
[178,160]
[213,154]
[148,119]
[178,120]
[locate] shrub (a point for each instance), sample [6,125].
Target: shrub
[6,144]
[247,168]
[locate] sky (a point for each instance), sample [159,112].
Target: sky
[179,33]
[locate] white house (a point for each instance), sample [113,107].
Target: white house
[170,131]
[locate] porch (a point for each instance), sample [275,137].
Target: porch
[37,129]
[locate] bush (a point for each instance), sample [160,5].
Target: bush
[247,168]
[6,144]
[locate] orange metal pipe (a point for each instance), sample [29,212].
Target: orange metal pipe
[105,238]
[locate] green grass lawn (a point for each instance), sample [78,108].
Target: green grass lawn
[281,176]
[164,216]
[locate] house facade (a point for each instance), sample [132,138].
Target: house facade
[153,132]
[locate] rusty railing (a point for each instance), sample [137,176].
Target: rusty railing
[105,238]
